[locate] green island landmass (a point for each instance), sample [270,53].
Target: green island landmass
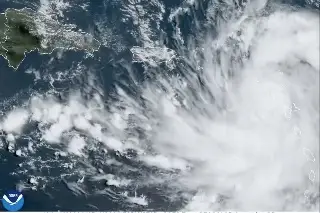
[19,34]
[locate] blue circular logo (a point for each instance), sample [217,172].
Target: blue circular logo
[12,201]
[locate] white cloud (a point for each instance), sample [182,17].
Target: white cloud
[15,121]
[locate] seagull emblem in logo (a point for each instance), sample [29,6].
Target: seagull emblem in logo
[12,203]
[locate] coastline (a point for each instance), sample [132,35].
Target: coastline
[44,50]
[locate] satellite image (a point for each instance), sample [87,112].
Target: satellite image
[159,105]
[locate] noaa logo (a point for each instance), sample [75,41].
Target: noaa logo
[12,201]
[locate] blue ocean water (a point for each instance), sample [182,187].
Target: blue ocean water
[58,196]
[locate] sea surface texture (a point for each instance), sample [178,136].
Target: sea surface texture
[160,105]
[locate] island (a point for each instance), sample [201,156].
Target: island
[25,30]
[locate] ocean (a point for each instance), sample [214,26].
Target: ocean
[136,40]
